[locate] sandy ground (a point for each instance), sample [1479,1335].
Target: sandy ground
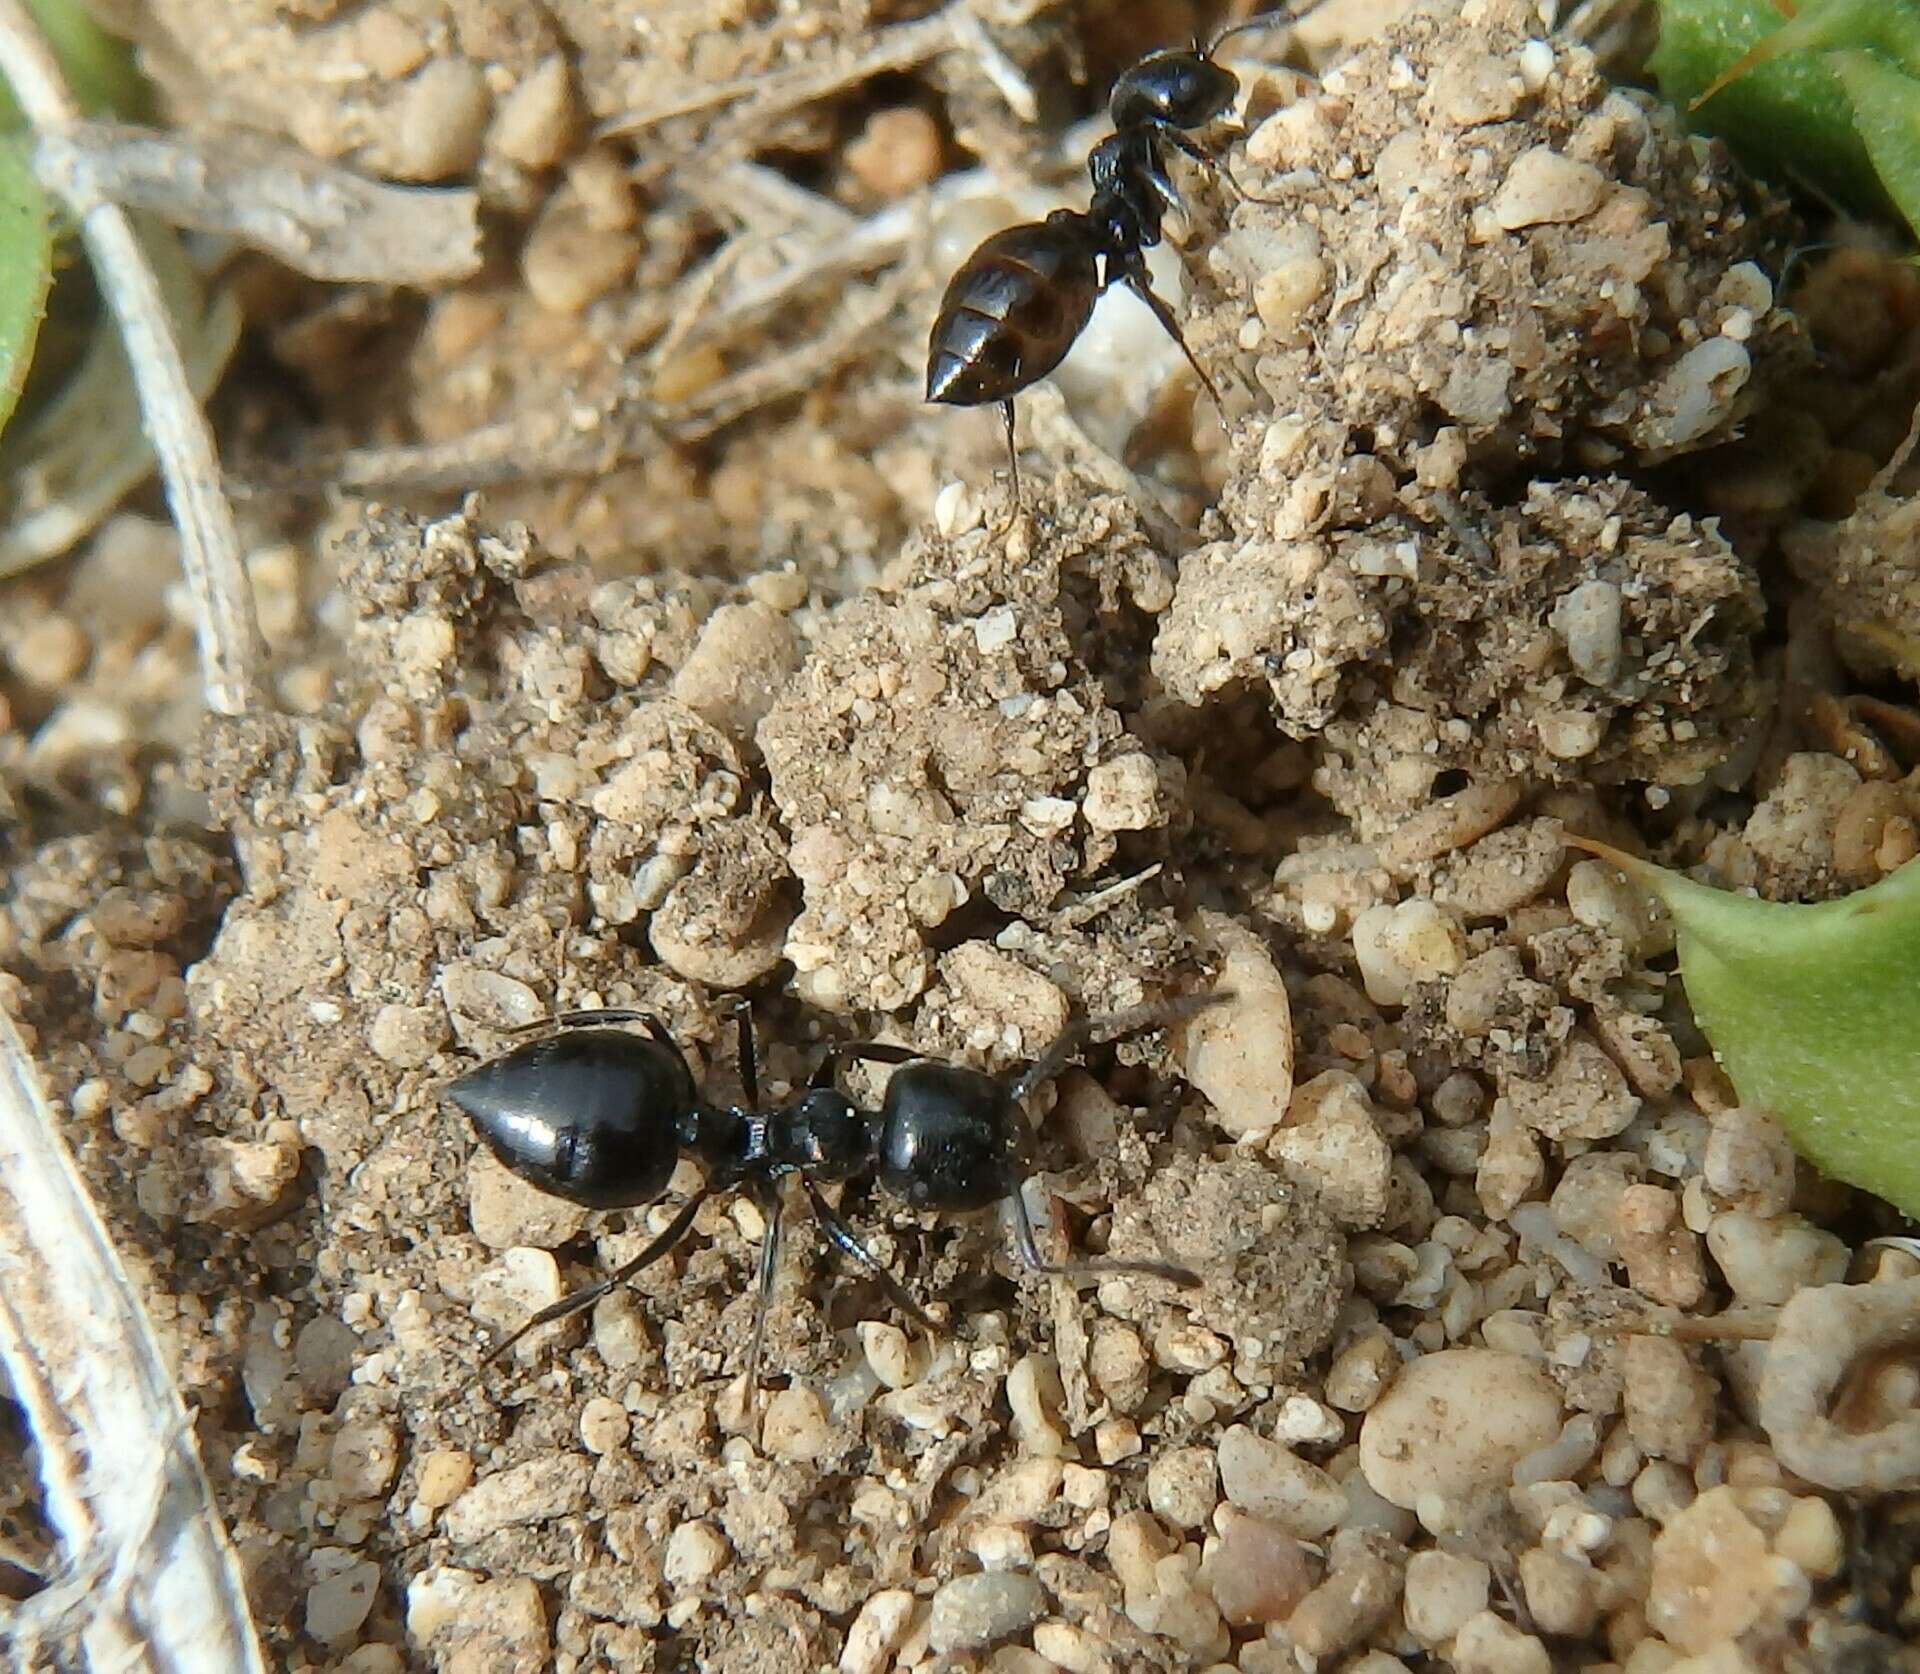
[1535,509]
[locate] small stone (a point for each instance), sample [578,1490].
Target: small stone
[1487,1645]
[1240,1053]
[971,1612]
[1562,1592]
[535,1491]
[339,1601]
[1117,1361]
[1670,1403]
[877,1632]
[1711,1579]
[1125,794]
[50,653]
[1402,945]
[1543,188]
[1034,1395]
[537,119]
[408,1037]
[438,121]
[1455,1423]
[1183,1486]
[568,262]
[743,659]
[695,1553]
[508,1213]
[1583,1096]
[1587,619]
[897,151]
[442,1478]
[1264,1478]
[1811,1539]
[1258,1572]
[795,1425]
[1332,1145]
[889,1353]
[1765,1259]
[364,1456]
[507,1616]
[604,1425]
[1444,1590]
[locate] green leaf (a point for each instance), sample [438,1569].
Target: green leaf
[1886,114]
[1814,1012]
[26,268]
[65,466]
[99,68]
[1774,94]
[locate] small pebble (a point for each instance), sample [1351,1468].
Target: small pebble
[898,150]
[1443,1591]
[973,1611]
[695,1553]
[1258,1572]
[603,1425]
[877,1632]
[1455,1424]
[442,1478]
[1486,1644]
[364,1457]
[1711,1578]
[537,119]
[1183,1486]
[1262,1477]
[339,1602]
[439,121]
[1543,187]
[535,1491]
[508,1213]
[795,1425]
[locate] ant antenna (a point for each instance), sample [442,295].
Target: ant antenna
[1264,20]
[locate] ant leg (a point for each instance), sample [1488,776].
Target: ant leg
[847,1242]
[605,1014]
[1135,279]
[1075,1035]
[748,1060]
[769,1200]
[1013,452]
[860,1052]
[1206,159]
[1029,1248]
[587,1295]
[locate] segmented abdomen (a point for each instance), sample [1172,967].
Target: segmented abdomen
[1011,313]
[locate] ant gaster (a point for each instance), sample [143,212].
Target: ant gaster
[601,1116]
[1019,302]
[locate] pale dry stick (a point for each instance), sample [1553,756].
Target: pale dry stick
[231,650]
[969,32]
[899,46]
[157,1586]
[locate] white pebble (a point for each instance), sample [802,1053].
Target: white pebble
[1455,1424]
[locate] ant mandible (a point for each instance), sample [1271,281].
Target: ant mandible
[601,1116]
[1020,301]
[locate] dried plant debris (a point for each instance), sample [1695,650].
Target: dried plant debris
[1479,1375]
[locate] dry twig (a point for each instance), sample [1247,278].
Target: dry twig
[326,222]
[150,1583]
[231,651]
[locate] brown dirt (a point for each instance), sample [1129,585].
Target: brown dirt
[1512,534]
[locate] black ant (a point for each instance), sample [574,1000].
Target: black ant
[1020,301]
[601,1116]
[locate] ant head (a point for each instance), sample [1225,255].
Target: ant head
[827,1136]
[1178,89]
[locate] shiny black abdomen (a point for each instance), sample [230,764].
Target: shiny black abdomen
[949,1138]
[592,1115]
[1012,311]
